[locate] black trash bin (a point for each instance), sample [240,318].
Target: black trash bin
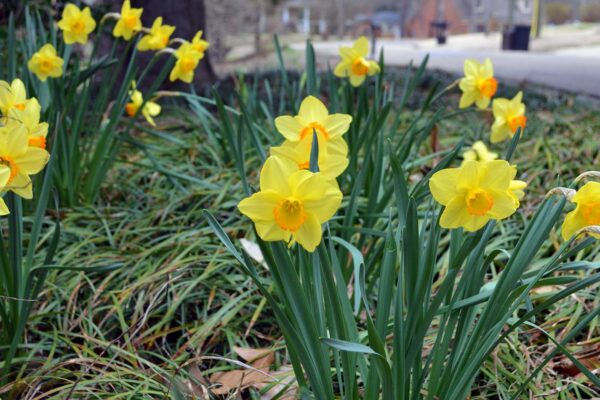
[520,39]
[516,38]
[440,29]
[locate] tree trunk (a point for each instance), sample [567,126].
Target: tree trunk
[258,27]
[404,10]
[341,18]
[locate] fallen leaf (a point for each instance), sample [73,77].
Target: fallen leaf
[255,375]
[589,357]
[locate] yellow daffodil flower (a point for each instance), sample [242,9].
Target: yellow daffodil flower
[479,152]
[46,63]
[151,109]
[509,116]
[298,132]
[586,213]
[474,193]
[516,189]
[198,43]
[187,61]
[354,64]
[22,160]
[292,203]
[333,155]
[12,95]
[478,86]
[30,118]
[4,177]
[158,38]
[314,116]
[129,23]
[76,24]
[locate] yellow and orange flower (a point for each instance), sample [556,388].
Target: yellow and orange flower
[129,23]
[475,193]
[158,38]
[292,204]
[298,130]
[12,95]
[22,159]
[46,63]
[76,24]
[479,152]
[150,109]
[478,85]
[199,44]
[509,115]
[354,63]
[188,59]
[29,117]
[586,212]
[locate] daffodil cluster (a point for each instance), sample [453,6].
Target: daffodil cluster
[22,141]
[158,37]
[294,202]
[478,86]
[77,24]
[483,188]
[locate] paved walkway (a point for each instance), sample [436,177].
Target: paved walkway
[574,69]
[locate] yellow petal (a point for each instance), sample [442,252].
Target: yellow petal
[289,127]
[497,175]
[309,234]
[488,69]
[373,68]
[337,124]
[337,146]
[500,132]
[14,144]
[469,175]
[590,192]
[152,108]
[3,207]
[4,175]
[269,231]
[259,206]
[32,161]
[17,87]
[574,221]
[320,196]
[499,107]
[361,46]
[504,205]
[21,185]
[482,102]
[469,155]
[357,80]
[348,54]
[471,67]
[313,110]
[455,214]
[467,99]
[332,166]
[275,174]
[443,185]
[341,70]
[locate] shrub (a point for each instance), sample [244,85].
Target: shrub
[590,13]
[557,13]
